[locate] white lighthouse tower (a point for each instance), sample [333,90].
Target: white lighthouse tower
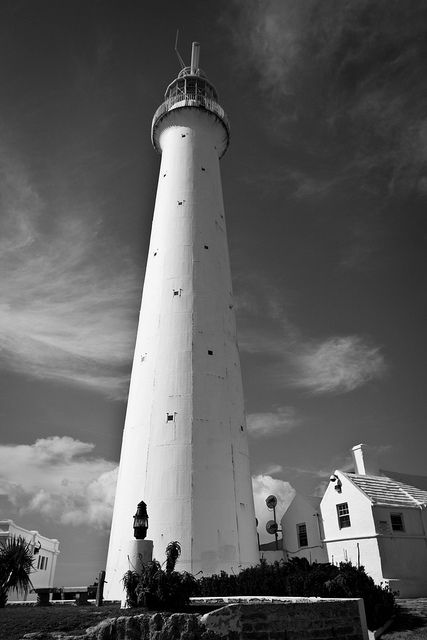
[184,450]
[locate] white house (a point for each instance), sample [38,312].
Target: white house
[378,522]
[303,531]
[45,553]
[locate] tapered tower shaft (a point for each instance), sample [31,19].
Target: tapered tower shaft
[184,448]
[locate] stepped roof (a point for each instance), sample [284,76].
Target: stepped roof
[386,491]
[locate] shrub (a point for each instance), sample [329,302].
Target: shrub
[16,564]
[156,588]
[298,577]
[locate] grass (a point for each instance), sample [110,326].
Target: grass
[15,621]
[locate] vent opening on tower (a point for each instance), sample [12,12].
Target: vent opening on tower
[210,352]
[203,169]
[164,175]
[241,428]
[183,135]
[180,202]
[177,292]
[206,246]
[170,417]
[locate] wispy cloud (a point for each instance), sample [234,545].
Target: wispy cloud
[346,85]
[276,423]
[264,485]
[67,309]
[337,365]
[63,481]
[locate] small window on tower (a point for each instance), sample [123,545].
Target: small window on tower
[206,246]
[210,352]
[169,417]
[203,169]
[164,175]
[180,202]
[241,428]
[183,135]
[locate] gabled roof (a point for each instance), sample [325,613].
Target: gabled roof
[386,491]
[420,482]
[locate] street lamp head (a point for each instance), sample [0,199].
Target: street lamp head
[140,521]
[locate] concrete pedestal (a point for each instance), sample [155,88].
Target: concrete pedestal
[140,552]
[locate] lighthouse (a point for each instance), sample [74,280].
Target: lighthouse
[185,450]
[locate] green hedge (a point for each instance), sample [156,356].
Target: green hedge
[156,588]
[300,578]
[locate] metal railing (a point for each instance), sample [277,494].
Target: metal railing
[191,100]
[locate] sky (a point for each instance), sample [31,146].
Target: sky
[325,187]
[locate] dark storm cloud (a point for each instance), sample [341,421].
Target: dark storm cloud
[347,88]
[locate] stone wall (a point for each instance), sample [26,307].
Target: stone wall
[294,619]
[276,619]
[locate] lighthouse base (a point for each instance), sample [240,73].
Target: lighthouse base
[139,553]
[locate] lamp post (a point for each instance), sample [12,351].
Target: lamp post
[140,521]
[139,550]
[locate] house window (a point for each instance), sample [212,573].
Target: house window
[397,522]
[343,515]
[302,535]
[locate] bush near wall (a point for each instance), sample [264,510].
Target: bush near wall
[300,578]
[158,589]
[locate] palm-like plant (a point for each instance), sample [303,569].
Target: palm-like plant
[173,551]
[16,564]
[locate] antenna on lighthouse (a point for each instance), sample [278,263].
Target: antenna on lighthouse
[181,61]
[195,53]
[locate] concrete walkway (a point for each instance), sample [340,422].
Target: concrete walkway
[411,621]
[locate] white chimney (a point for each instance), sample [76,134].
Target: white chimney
[365,462]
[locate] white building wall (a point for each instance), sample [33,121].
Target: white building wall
[301,511]
[48,551]
[192,470]
[360,507]
[358,543]
[403,553]
[397,558]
